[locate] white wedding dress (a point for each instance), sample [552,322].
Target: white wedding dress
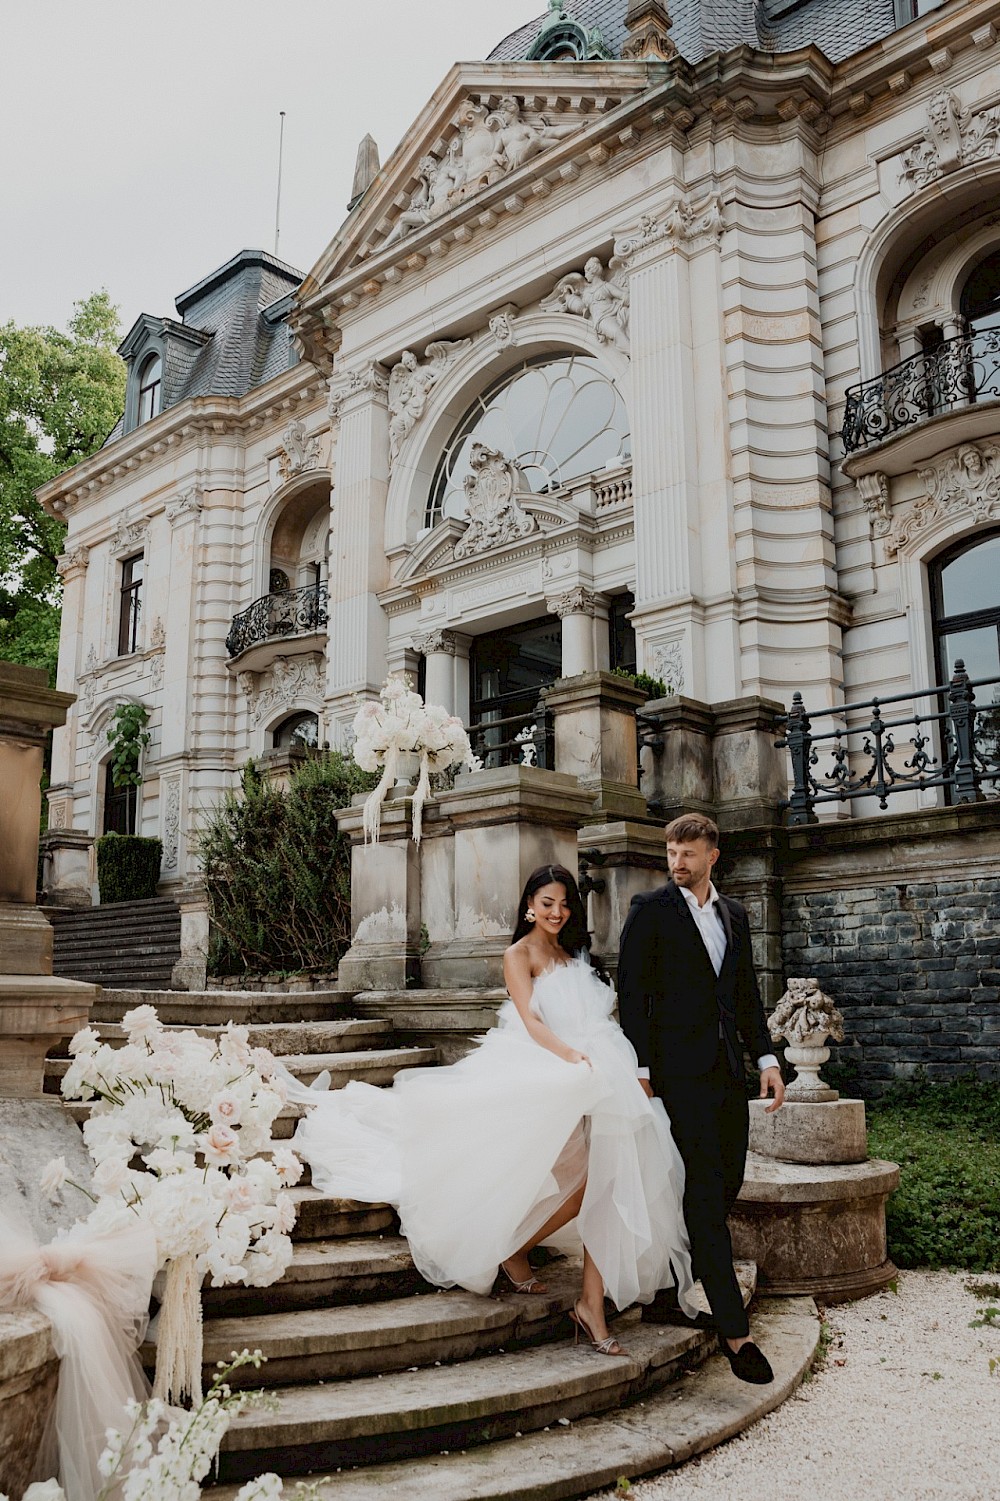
[478,1155]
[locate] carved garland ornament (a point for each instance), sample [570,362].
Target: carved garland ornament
[952,137]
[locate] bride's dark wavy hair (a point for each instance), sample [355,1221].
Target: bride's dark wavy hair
[573,935]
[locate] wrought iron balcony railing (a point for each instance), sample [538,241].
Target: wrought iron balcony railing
[956,747]
[955,374]
[292,612]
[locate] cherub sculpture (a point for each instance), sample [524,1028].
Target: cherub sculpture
[410,384]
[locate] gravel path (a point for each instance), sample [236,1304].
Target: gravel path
[904,1408]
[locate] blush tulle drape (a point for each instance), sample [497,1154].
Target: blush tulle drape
[94,1289]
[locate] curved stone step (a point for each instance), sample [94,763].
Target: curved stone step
[319,1217]
[341,1035]
[566,1463]
[325,1273]
[337,1344]
[216,1007]
[405,1413]
[372,1066]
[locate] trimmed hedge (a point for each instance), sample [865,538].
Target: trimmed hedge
[278,872]
[128,867]
[946,1139]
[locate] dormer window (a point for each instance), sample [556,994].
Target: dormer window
[561,38]
[150,381]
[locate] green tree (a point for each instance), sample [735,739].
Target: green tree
[60,396]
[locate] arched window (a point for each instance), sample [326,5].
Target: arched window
[980,303]
[966,594]
[298,731]
[150,378]
[556,419]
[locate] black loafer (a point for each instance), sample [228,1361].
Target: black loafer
[748,1363]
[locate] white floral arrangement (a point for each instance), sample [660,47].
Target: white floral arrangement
[178,1131]
[401,722]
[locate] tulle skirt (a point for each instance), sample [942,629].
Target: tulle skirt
[477,1156]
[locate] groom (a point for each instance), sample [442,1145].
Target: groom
[687,993]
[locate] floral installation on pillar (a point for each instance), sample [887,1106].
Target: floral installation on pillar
[197,1113]
[401,735]
[805,1017]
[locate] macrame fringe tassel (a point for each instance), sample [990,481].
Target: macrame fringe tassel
[181,1337]
[421,793]
[372,814]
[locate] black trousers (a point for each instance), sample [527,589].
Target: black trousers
[710,1122]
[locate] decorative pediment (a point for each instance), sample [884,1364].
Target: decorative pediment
[494,137]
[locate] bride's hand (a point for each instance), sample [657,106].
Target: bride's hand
[574,1057]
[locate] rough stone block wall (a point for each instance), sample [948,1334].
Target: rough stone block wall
[915,968]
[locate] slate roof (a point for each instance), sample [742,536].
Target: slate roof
[838,27]
[232,335]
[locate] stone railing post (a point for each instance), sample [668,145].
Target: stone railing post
[596,741]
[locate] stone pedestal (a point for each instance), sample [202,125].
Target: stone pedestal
[810,1133]
[677,758]
[815,1229]
[29,1374]
[385,902]
[622,859]
[749,773]
[70,872]
[595,740]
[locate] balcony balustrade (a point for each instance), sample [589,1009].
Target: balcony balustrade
[952,376]
[281,617]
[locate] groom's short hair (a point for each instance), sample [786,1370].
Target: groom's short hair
[692,826]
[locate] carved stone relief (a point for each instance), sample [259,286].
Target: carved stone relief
[598,294]
[488,145]
[129,535]
[438,640]
[495,518]
[874,492]
[576,601]
[501,327]
[171,823]
[682,222]
[952,137]
[963,483]
[299,454]
[410,384]
[187,506]
[71,563]
[666,662]
[287,679]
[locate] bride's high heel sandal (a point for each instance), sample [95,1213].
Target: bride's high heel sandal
[529,1285]
[609,1346]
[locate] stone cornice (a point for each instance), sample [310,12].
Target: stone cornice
[189,421]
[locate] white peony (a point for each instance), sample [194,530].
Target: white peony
[268,1487]
[87,1040]
[141,1024]
[287,1166]
[44,1490]
[269,1259]
[111,1175]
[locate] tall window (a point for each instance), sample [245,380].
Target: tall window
[119,805]
[130,605]
[556,419]
[980,303]
[966,592]
[150,378]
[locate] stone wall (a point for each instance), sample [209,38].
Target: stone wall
[899,920]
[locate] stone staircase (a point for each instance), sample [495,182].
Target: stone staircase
[381,1382]
[119,944]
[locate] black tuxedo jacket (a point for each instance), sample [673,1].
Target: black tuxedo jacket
[673,1007]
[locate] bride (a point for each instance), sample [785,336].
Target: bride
[542,1124]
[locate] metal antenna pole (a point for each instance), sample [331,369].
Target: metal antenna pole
[277,206]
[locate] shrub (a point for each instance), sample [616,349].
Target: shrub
[128,867]
[652,687]
[278,871]
[946,1139]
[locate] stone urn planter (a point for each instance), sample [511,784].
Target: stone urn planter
[806,1017]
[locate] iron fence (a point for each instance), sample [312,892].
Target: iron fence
[289,612]
[956,746]
[519,739]
[957,372]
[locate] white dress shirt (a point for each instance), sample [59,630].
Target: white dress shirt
[708,921]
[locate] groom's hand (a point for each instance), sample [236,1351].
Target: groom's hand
[647,1088]
[771,1082]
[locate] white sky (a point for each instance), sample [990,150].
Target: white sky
[141,136]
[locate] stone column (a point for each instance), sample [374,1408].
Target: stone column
[36,1008]
[356,654]
[576,609]
[749,773]
[438,649]
[67,877]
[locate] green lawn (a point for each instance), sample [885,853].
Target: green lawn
[946,1139]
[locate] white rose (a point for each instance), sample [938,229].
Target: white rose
[44,1490]
[220,1146]
[240,1194]
[141,1024]
[53,1177]
[283,1216]
[287,1166]
[112,1175]
[226,1108]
